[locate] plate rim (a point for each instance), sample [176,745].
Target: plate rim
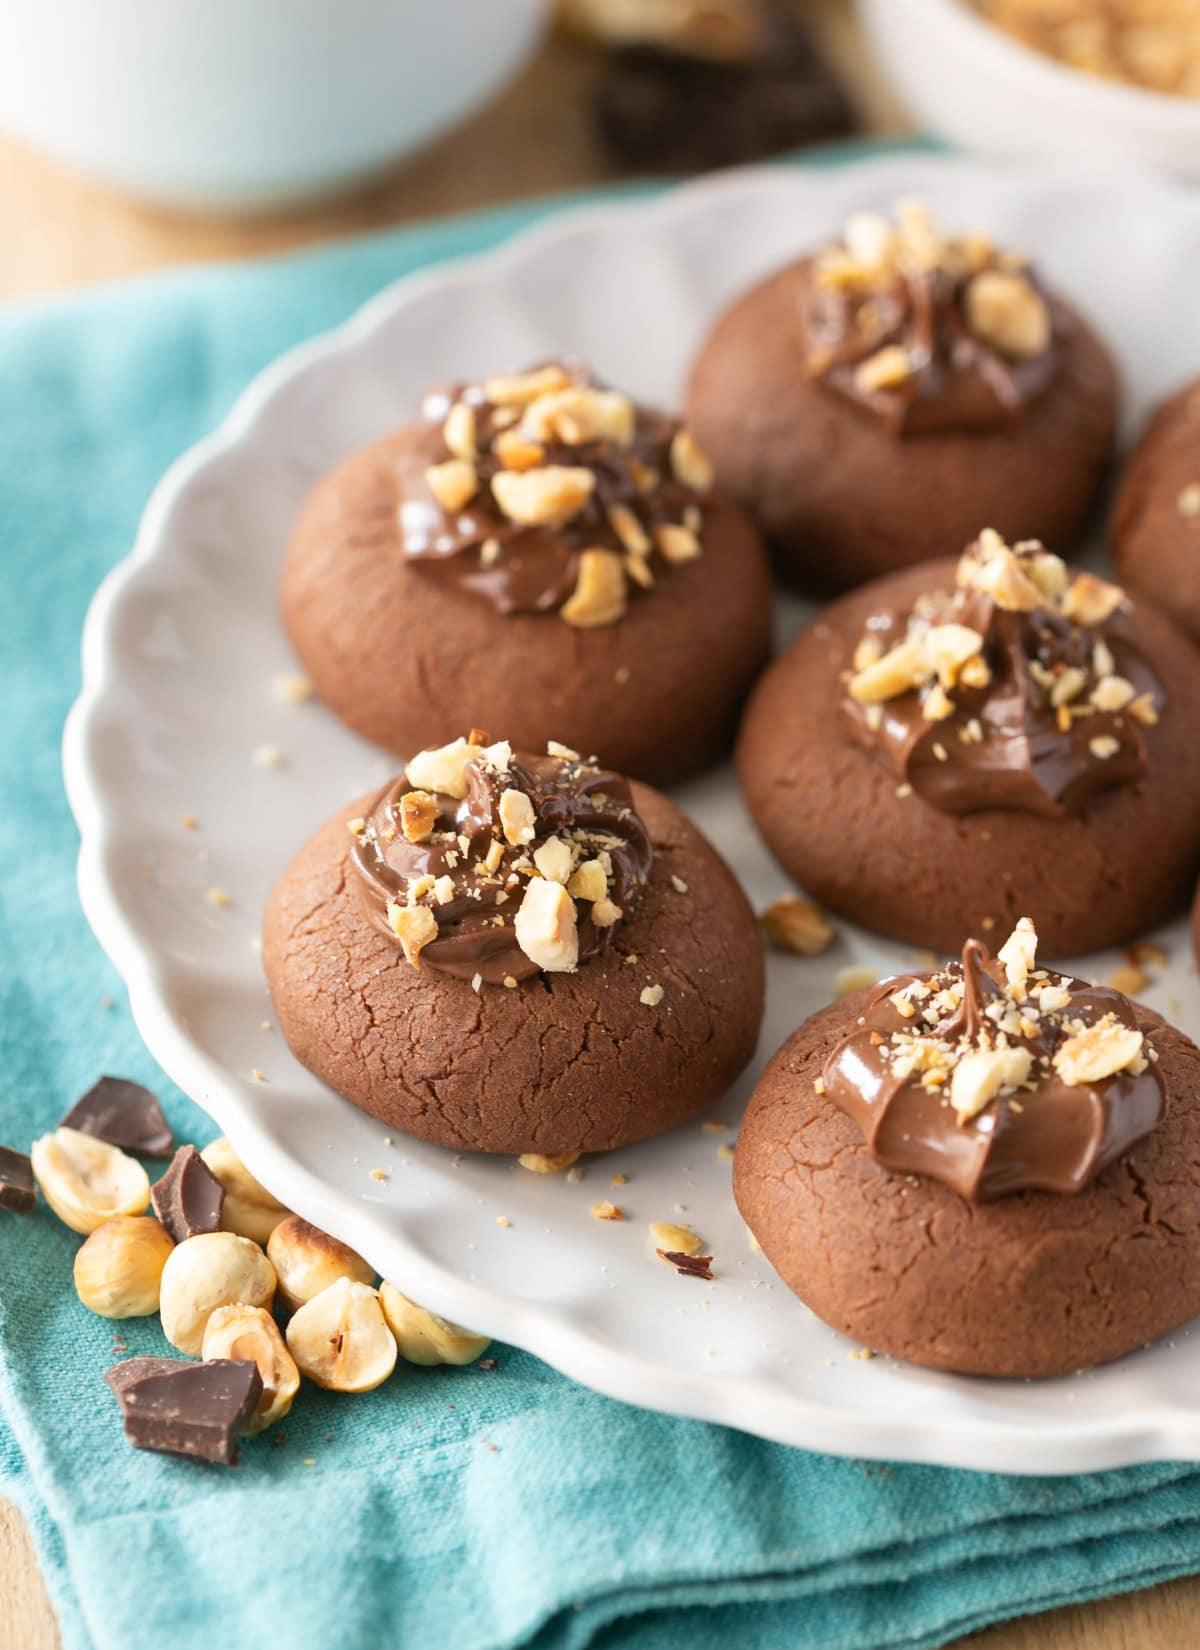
[1161,1432]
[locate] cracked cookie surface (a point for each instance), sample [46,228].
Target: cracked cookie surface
[562,1063]
[1035,1283]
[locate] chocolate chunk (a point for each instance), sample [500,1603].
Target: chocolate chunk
[125,1114]
[16,1181]
[663,110]
[181,1408]
[188,1198]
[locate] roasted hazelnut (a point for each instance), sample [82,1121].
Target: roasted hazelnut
[204,1272]
[249,1209]
[251,1332]
[86,1181]
[307,1260]
[424,1338]
[117,1271]
[341,1340]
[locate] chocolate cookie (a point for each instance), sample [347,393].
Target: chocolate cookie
[1011,1190]
[1155,530]
[958,745]
[538,553]
[509,953]
[874,403]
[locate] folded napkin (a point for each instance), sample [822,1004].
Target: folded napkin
[452,1509]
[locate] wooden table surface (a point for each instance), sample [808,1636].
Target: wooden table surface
[59,231]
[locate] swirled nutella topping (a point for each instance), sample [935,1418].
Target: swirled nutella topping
[997,1076]
[929,332]
[495,866]
[1023,688]
[549,492]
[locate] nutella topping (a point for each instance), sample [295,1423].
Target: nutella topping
[997,1076]
[1024,688]
[548,492]
[928,332]
[495,866]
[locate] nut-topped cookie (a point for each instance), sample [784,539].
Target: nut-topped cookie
[536,550]
[987,1167]
[958,744]
[876,400]
[515,952]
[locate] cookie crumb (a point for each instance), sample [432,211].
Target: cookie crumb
[713,1125]
[725,1151]
[651,995]
[862,1353]
[218,898]
[619,1180]
[679,885]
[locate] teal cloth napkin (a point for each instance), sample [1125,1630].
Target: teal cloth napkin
[452,1509]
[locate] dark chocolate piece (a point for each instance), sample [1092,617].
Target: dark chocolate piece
[125,1114]
[688,1266]
[16,1181]
[188,1409]
[188,1198]
[665,110]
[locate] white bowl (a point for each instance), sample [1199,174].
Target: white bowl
[239,105]
[968,81]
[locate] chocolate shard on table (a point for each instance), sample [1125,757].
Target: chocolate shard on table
[178,1408]
[189,1197]
[16,1181]
[125,1114]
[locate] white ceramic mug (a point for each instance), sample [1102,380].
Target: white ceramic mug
[238,105]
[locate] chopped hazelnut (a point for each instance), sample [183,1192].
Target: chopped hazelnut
[578,414]
[517,818]
[887,369]
[539,1163]
[679,1240]
[849,980]
[607,1211]
[689,465]
[901,669]
[414,926]
[605,913]
[1188,502]
[418,815]
[1005,311]
[545,497]
[516,452]
[980,1076]
[651,995]
[520,389]
[554,859]
[629,530]
[86,1181]
[458,431]
[948,647]
[1019,954]
[1112,693]
[676,543]
[590,881]
[1099,1051]
[546,927]
[443,769]
[453,484]
[1104,746]
[796,924]
[599,597]
[1089,600]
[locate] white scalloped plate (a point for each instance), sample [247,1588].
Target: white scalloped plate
[180,652]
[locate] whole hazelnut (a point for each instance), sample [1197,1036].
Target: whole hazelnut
[204,1272]
[424,1338]
[251,1332]
[340,1339]
[118,1269]
[249,1209]
[307,1260]
[86,1181]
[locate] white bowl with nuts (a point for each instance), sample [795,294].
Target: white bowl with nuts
[975,84]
